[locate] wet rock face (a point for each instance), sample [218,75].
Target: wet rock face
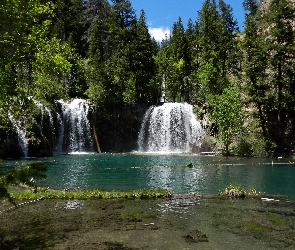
[117,128]
[40,149]
[9,147]
[117,131]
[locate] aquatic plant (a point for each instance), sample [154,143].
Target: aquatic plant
[189,165]
[252,191]
[88,194]
[234,190]
[237,191]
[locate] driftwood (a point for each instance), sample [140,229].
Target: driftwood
[96,139]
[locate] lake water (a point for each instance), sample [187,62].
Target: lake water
[209,174]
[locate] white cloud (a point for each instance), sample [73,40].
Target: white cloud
[159,33]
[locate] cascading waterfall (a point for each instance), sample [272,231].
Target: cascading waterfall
[45,111]
[171,127]
[21,134]
[75,132]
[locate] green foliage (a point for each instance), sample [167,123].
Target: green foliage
[252,191]
[256,226]
[26,174]
[100,50]
[280,44]
[234,190]
[51,66]
[174,63]
[89,194]
[227,112]
[277,220]
[209,77]
[237,191]
[255,63]
[216,53]
[33,65]
[251,141]
[68,23]
[121,66]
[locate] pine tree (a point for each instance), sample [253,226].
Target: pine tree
[97,55]
[95,12]
[228,41]
[179,50]
[190,37]
[121,54]
[211,67]
[217,46]
[124,13]
[280,47]
[255,61]
[190,66]
[142,50]
[68,22]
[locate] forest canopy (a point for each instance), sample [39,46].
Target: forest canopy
[101,51]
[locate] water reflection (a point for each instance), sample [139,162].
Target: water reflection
[160,177]
[75,175]
[74,204]
[179,204]
[134,171]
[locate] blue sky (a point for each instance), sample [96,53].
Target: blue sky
[161,14]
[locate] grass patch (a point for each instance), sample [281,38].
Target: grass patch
[276,219]
[88,194]
[135,213]
[255,226]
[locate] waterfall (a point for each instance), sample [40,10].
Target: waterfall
[75,132]
[171,127]
[45,111]
[21,134]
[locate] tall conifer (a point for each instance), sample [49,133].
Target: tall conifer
[255,61]
[278,32]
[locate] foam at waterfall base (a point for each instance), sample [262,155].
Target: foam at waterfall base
[81,153]
[180,153]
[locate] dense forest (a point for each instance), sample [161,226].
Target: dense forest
[244,81]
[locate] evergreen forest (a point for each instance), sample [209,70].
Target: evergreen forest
[243,82]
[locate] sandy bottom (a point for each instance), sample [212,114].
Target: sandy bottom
[179,223]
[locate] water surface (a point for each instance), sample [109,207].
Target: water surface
[208,175]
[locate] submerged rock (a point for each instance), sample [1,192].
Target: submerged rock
[196,236]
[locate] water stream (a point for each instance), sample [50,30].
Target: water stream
[45,113]
[171,127]
[21,134]
[75,133]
